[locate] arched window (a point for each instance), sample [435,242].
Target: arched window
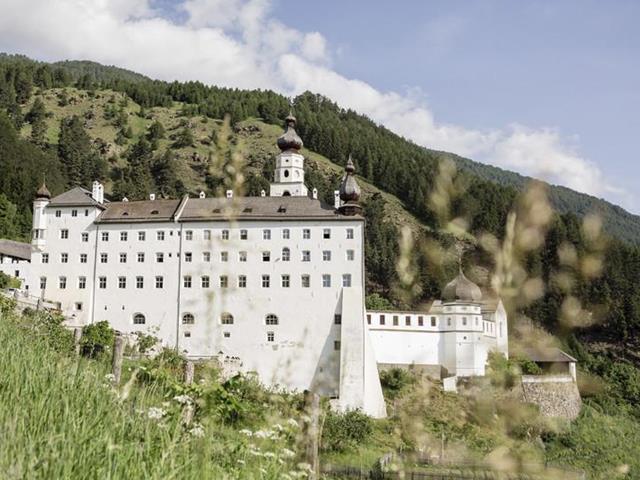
[138,319]
[188,319]
[286,254]
[271,319]
[286,173]
[226,318]
[286,193]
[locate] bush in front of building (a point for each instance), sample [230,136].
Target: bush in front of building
[97,339]
[342,431]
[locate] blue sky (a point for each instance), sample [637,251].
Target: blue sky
[546,88]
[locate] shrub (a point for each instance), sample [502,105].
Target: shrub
[395,380]
[145,342]
[345,430]
[97,338]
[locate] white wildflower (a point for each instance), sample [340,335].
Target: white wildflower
[278,427]
[156,413]
[110,377]
[166,404]
[183,399]
[240,461]
[286,453]
[255,453]
[246,432]
[292,422]
[270,455]
[304,467]
[263,471]
[197,431]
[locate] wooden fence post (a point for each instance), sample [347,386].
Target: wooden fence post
[189,370]
[77,336]
[118,353]
[312,432]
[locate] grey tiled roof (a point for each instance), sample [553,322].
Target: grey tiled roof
[77,196]
[15,249]
[548,355]
[140,211]
[258,208]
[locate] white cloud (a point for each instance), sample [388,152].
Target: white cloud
[237,43]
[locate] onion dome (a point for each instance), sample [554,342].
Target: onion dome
[43,192]
[290,140]
[461,289]
[350,190]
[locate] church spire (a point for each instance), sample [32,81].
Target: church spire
[290,140]
[350,191]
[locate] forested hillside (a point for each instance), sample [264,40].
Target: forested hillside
[73,122]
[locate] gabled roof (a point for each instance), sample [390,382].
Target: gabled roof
[15,249]
[548,355]
[139,211]
[76,197]
[259,208]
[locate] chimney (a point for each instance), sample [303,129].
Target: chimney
[315,193]
[202,195]
[263,193]
[229,193]
[97,192]
[336,199]
[152,196]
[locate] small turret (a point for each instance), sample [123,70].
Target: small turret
[39,225]
[290,140]
[350,191]
[43,192]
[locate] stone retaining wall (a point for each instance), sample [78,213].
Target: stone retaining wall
[555,395]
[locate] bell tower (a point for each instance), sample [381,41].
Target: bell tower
[38,237]
[288,178]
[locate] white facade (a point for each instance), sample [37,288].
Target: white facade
[452,338]
[289,176]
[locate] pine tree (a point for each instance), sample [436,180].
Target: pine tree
[37,118]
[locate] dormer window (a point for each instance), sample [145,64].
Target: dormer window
[154,212]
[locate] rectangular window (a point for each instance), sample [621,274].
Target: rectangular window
[64,258]
[225,234]
[336,345]
[142,236]
[346,280]
[420,321]
[85,236]
[159,257]
[74,213]
[286,234]
[326,255]
[224,281]
[102,282]
[86,212]
[337,319]
[266,256]
[188,235]
[265,281]
[105,236]
[45,258]
[159,281]
[326,280]
[349,233]
[224,256]
[207,234]
[206,256]
[140,257]
[188,256]
[122,282]
[139,282]
[395,320]
[226,334]
[306,281]
[124,236]
[83,258]
[123,258]
[306,256]
[204,281]
[266,234]
[351,255]
[433,321]
[407,320]
[464,320]
[58,213]
[271,337]
[326,233]
[186,281]
[306,233]
[448,321]
[286,282]
[62,283]
[242,281]
[104,258]
[43,283]
[64,233]
[368,319]
[244,235]
[160,235]
[382,320]
[242,256]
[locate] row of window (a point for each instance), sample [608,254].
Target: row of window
[205,281]
[224,234]
[74,213]
[382,319]
[206,256]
